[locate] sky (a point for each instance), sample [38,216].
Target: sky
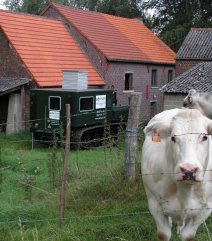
[1,4]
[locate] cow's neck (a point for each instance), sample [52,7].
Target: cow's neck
[191,195]
[204,108]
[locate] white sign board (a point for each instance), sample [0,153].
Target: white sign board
[54,115]
[100,101]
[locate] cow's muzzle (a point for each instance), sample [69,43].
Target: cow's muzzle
[188,174]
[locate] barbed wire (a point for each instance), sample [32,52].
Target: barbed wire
[83,177]
[97,217]
[98,140]
[74,217]
[127,133]
[62,117]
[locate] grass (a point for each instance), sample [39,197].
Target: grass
[100,205]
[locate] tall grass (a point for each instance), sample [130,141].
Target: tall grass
[100,205]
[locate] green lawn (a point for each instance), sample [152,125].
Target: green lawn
[100,205]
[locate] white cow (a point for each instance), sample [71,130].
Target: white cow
[175,158]
[199,100]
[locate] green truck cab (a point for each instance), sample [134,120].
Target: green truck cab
[89,108]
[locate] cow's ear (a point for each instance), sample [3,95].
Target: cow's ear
[158,128]
[192,92]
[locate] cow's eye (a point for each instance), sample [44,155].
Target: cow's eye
[173,139]
[204,138]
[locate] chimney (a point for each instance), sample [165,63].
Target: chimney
[75,80]
[140,20]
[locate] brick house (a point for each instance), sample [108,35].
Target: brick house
[34,52]
[193,67]
[126,54]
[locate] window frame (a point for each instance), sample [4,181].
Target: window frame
[154,78]
[130,81]
[170,73]
[86,97]
[49,101]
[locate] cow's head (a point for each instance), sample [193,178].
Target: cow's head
[189,99]
[187,138]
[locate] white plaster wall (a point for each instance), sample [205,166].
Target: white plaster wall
[14,119]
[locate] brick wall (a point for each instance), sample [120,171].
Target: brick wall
[184,65]
[173,101]
[11,66]
[141,83]
[113,73]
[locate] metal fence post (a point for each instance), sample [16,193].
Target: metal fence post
[65,165]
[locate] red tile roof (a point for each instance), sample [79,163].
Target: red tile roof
[45,48]
[117,38]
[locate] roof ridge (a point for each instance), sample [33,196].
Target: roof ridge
[116,29]
[185,81]
[39,60]
[202,29]
[90,11]
[29,15]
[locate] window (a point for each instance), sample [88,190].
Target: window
[170,75]
[153,108]
[128,81]
[86,103]
[54,102]
[154,78]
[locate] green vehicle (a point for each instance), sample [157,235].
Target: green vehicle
[90,110]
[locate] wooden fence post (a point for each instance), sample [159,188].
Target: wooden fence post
[132,135]
[65,165]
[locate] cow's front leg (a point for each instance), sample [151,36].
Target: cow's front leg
[162,221]
[163,227]
[188,233]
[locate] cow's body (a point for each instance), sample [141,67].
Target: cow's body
[173,171]
[199,100]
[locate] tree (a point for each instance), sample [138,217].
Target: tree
[32,6]
[169,19]
[13,5]
[172,19]
[122,8]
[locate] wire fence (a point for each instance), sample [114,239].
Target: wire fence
[38,186]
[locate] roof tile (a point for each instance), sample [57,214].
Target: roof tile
[46,48]
[197,45]
[198,77]
[118,38]
[8,84]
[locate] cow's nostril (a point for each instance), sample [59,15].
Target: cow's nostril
[183,170]
[188,174]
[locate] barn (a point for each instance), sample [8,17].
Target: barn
[126,54]
[193,68]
